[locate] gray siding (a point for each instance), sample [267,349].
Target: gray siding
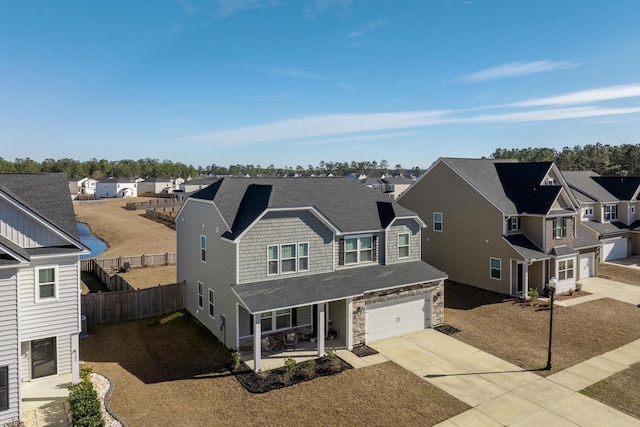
[533,228]
[218,272]
[282,228]
[50,318]
[379,251]
[403,226]
[472,230]
[304,317]
[9,346]
[23,230]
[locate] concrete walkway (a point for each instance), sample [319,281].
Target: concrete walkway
[502,393]
[44,402]
[612,289]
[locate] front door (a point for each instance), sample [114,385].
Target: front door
[519,278]
[44,358]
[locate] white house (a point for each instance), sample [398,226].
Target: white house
[39,285]
[116,187]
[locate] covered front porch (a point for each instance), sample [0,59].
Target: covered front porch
[305,350]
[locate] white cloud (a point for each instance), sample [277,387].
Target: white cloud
[367,137]
[344,126]
[585,96]
[299,72]
[227,8]
[187,7]
[517,69]
[367,28]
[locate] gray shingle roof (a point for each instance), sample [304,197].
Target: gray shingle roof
[46,195]
[584,239]
[512,186]
[347,204]
[583,182]
[525,247]
[622,187]
[606,228]
[304,290]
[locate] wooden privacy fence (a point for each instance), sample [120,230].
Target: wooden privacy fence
[154,203]
[135,304]
[168,258]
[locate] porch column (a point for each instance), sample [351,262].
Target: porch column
[349,329]
[321,327]
[75,362]
[525,279]
[257,344]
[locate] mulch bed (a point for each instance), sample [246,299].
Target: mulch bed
[363,351]
[447,329]
[264,381]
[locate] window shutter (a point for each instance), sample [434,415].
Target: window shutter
[564,227]
[341,252]
[251,324]
[374,248]
[294,317]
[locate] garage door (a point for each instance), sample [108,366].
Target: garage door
[397,317]
[586,265]
[614,249]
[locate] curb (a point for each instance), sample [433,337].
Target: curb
[107,395]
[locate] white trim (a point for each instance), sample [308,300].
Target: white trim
[211,303]
[349,326]
[408,245]
[491,268]
[415,218]
[358,249]
[205,248]
[441,222]
[311,209]
[55,297]
[200,293]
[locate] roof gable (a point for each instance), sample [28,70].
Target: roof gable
[622,187]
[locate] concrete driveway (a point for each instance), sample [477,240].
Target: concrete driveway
[500,392]
[612,289]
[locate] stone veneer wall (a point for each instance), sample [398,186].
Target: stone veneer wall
[435,289]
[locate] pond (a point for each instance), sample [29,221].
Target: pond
[96,245]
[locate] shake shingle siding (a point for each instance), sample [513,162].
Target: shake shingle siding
[279,228]
[218,272]
[399,227]
[9,353]
[471,229]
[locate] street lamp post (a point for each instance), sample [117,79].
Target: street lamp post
[552,290]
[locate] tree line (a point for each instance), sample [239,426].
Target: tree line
[154,168]
[601,158]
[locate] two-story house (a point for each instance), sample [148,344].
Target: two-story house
[116,187]
[608,210]
[502,225]
[39,284]
[267,256]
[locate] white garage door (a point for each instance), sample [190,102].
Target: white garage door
[614,249]
[397,317]
[586,265]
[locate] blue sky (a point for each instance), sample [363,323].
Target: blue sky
[293,82]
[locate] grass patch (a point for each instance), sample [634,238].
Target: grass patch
[175,373]
[630,276]
[619,391]
[519,332]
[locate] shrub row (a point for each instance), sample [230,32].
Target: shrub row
[84,402]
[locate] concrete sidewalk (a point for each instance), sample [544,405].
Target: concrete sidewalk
[612,289]
[500,392]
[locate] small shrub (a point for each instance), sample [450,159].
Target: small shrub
[549,303]
[570,292]
[330,352]
[290,363]
[84,402]
[14,423]
[578,286]
[236,359]
[533,295]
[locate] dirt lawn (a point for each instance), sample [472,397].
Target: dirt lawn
[619,273]
[519,333]
[126,232]
[174,373]
[619,391]
[148,277]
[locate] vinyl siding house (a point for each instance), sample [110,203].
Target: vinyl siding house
[156,185]
[502,225]
[39,284]
[267,256]
[116,187]
[609,210]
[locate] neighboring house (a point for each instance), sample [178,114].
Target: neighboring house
[396,185]
[177,183]
[39,284]
[268,256]
[608,209]
[502,225]
[116,187]
[82,186]
[197,184]
[156,185]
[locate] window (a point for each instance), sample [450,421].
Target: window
[551,181]
[610,212]
[203,248]
[403,245]
[358,249]
[633,209]
[565,269]
[496,268]
[303,257]
[288,258]
[559,228]
[282,320]
[200,303]
[4,388]
[212,303]
[46,283]
[437,221]
[514,224]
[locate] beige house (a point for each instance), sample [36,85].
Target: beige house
[502,225]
